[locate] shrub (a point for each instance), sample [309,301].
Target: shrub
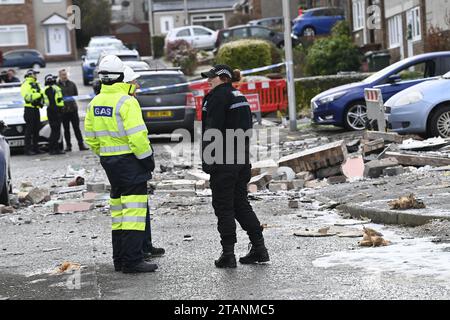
[241,54]
[333,54]
[308,88]
[158,46]
[182,55]
[238,19]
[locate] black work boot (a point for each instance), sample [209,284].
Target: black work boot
[154,253]
[117,266]
[257,254]
[141,267]
[227,259]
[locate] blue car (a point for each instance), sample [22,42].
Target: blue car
[422,109]
[89,64]
[345,106]
[25,58]
[317,21]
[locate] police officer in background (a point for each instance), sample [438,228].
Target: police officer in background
[115,130]
[226,109]
[55,103]
[34,100]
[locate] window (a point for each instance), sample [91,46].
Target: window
[443,65]
[12,2]
[184,33]
[420,70]
[240,33]
[260,33]
[201,32]
[13,35]
[358,15]
[395,28]
[211,21]
[414,24]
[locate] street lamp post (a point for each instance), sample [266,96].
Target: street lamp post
[289,66]
[186,13]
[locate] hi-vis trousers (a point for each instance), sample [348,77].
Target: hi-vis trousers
[129,211]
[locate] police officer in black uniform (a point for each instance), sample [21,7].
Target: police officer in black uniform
[226,109]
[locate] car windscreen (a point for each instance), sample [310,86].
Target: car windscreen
[93,55]
[10,100]
[381,74]
[158,80]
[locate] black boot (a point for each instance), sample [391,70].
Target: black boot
[154,253]
[227,259]
[141,267]
[117,266]
[83,147]
[257,254]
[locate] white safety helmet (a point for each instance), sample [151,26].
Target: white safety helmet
[111,68]
[130,75]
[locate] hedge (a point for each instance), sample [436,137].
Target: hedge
[308,88]
[158,46]
[241,54]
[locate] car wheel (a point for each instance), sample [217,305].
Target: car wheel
[309,32]
[355,117]
[36,66]
[440,123]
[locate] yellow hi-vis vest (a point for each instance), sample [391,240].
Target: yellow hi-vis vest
[31,93]
[114,124]
[58,96]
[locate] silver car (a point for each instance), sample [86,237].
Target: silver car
[5,172]
[421,109]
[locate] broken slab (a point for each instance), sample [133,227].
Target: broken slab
[71,207]
[96,187]
[305,175]
[293,204]
[260,167]
[4,209]
[176,185]
[261,181]
[418,160]
[298,184]
[177,193]
[353,168]
[317,158]
[374,146]
[389,137]
[374,169]
[36,195]
[394,171]
[196,175]
[337,180]
[276,186]
[315,184]
[329,172]
[313,234]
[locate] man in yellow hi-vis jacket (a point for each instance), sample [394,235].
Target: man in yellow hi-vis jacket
[115,130]
[34,100]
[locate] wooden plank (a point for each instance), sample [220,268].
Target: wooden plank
[418,160]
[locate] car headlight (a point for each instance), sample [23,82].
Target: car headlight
[332,97]
[294,36]
[408,99]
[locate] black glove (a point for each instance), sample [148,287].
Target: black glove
[59,100]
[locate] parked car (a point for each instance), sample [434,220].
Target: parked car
[105,42]
[26,58]
[5,172]
[422,109]
[168,109]
[345,106]
[11,112]
[317,21]
[198,37]
[242,32]
[275,23]
[124,55]
[89,62]
[137,65]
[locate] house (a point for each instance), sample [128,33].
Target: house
[129,23]
[396,25]
[166,15]
[38,24]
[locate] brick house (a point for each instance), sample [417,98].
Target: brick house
[401,26]
[38,24]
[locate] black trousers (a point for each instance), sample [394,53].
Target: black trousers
[230,202]
[72,118]
[55,135]
[32,118]
[128,244]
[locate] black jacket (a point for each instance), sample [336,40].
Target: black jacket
[69,89]
[53,111]
[227,110]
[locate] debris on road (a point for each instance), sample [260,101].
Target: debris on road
[71,207]
[406,203]
[67,266]
[373,238]
[79,181]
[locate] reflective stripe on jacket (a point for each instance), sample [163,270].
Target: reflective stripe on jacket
[31,93]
